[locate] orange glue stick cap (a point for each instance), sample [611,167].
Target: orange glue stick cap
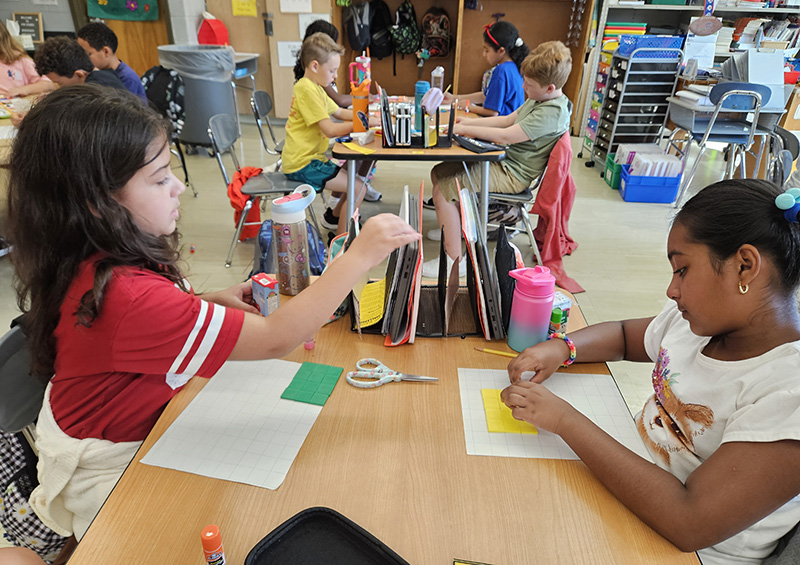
[212,545]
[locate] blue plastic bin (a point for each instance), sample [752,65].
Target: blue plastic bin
[658,190]
[629,43]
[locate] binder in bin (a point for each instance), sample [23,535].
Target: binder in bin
[657,190]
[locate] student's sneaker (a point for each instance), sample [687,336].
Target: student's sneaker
[428,204]
[5,247]
[372,195]
[329,220]
[434,235]
[332,201]
[430,269]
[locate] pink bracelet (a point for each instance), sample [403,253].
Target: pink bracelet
[573,353]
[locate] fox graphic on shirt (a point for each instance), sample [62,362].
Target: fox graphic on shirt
[666,424]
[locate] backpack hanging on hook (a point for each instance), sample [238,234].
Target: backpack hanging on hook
[436,32]
[355,20]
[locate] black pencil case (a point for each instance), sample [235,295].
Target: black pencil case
[321,535]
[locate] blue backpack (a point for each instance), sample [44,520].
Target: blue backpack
[266,264]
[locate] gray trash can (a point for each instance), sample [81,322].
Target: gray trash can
[207,73]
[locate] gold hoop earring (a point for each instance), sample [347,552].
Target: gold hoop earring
[743,289]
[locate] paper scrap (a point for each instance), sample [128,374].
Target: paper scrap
[244,8]
[499,418]
[313,383]
[372,302]
[356,147]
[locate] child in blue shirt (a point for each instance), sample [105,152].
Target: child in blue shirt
[501,92]
[100,43]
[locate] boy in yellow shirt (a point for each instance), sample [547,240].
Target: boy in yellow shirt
[310,127]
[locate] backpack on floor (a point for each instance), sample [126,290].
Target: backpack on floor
[380,42]
[405,32]
[436,32]
[355,19]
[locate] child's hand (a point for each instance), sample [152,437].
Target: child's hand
[533,403]
[380,236]
[448,98]
[374,121]
[16,118]
[239,296]
[543,358]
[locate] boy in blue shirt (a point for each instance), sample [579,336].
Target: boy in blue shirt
[100,43]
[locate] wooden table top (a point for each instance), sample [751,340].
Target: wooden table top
[454,153]
[394,461]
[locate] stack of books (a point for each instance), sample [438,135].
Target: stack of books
[615,29]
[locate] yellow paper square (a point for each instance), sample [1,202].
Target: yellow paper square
[499,418]
[359,148]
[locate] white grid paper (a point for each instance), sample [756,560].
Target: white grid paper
[595,396]
[238,428]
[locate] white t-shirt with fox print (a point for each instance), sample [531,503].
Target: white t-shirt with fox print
[698,403]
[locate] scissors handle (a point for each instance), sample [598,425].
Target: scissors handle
[375,380]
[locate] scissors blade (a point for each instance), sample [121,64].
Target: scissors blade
[418,378]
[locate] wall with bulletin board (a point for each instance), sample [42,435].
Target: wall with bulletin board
[537,21]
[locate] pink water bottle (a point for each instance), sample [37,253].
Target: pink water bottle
[531,307]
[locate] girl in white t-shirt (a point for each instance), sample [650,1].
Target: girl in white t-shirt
[723,423]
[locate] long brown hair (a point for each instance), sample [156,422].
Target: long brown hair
[75,149]
[10,49]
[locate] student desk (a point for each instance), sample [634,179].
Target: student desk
[434,154]
[393,460]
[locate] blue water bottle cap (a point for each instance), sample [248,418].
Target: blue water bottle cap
[421,87]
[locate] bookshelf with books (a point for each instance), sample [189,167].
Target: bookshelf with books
[664,15]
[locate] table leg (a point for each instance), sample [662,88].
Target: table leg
[484,197]
[351,188]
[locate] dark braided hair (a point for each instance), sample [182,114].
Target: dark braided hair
[314,27]
[731,213]
[504,34]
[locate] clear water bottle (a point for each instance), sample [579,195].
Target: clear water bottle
[531,307]
[420,88]
[290,237]
[437,78]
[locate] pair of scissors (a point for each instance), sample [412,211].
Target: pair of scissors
[378,375]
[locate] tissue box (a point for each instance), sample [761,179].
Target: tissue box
[265,293]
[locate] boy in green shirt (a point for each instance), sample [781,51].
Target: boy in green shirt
[310,127]
[529,135]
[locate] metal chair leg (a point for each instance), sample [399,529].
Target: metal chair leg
[529,229]
[186,181]
[688,179]
[239,226]
[314,218]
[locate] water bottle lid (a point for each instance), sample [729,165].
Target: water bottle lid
[421,87]
[535,282]
[292,207]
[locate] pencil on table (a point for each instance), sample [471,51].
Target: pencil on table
[496,352]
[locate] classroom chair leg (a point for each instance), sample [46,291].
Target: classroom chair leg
[239,226]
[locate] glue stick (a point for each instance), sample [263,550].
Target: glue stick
[212,545]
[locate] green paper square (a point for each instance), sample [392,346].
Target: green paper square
[313,383]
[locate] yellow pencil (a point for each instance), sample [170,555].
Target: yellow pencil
[446,90]
[496,352]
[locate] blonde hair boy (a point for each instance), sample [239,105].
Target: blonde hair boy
[549,63]
[319,47]
[529,134]
[309,127]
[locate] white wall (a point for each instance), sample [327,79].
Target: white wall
[54,18]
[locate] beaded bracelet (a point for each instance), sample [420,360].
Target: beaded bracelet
[573,353]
